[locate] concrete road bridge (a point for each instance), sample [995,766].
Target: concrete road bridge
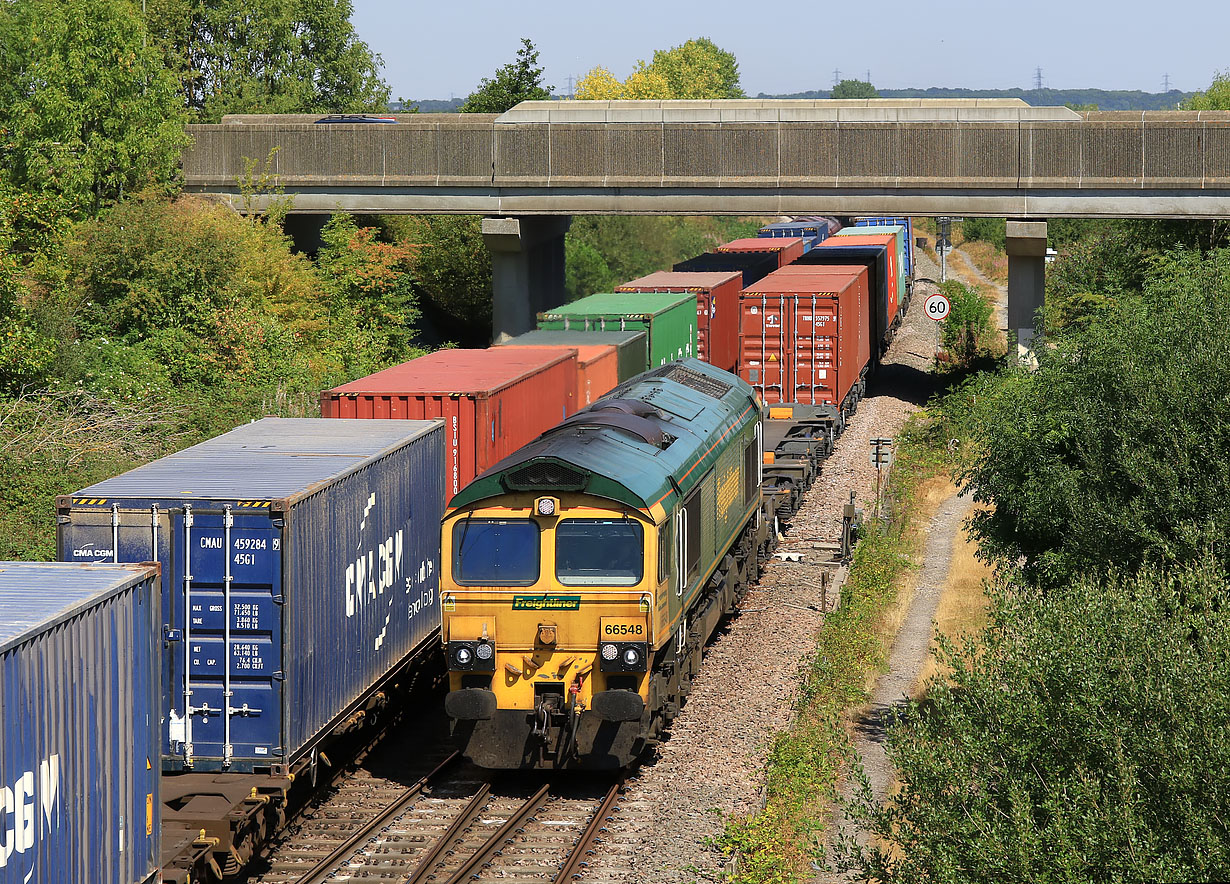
[530,169]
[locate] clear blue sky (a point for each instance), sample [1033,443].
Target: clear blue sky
[434,49]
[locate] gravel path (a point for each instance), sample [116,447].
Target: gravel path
[712,767]
[909,652]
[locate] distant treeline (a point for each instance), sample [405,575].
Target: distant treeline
[1105,99]
[427,105]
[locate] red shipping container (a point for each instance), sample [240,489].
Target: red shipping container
[597,367]
[492,401]
[890,244]
[787,250]
[717,309]
[805,337]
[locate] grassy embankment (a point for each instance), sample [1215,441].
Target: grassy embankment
[804,764]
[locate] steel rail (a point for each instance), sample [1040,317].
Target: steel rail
[427,865]
[324,867]
[572,865]
[502,837]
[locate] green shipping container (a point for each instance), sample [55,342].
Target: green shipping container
[895,230]
[668,320]
[631,347]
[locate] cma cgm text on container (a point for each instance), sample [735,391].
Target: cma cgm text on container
[300,569]
[80,691]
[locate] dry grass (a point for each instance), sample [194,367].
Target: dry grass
[991,261]
[962,610]
[928,497]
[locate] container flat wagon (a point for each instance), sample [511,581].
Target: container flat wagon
[299,571]
[80,690]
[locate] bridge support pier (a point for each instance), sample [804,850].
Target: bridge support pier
[527,269]
[1026,247]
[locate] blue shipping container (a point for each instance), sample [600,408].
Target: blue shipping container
[307,553]
[811,232]
[875,259]
[79,646]
[894,221]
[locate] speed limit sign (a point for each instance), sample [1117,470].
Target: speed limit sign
[936,307]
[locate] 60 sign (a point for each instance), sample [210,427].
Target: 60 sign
[937,307]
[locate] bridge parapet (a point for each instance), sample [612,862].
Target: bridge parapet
[755,157]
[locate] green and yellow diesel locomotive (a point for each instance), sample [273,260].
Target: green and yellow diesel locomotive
[584,574]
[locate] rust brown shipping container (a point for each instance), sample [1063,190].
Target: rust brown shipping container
[788,250]
[597,367]
[805,337]
[492,401]
[717,309]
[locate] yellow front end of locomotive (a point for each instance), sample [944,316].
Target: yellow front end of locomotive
[549,624]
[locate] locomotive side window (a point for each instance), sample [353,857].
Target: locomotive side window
[599,552]
[494,552]
[751,473]
[665,546]
[692,507]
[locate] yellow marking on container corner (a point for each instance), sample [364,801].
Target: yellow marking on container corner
[252,503]
[89,501]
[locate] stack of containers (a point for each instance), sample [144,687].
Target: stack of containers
[597,365]
[901,251]
[811,232]
[491,401]
[668,320]
[894,221]
[878,255]
[717,309]
[787,249]
[754,266]
[300,569]
[804,335]
[632,346]
[80,648]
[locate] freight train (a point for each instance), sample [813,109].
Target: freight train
[274,552]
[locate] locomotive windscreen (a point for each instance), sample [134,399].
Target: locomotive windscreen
[599,552]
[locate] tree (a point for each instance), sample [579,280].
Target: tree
[854,89]
[518,81]
[1082,738]
[268,56]
[599,85]
[87,110]
[1216,97]
[1117,449]
[697,69]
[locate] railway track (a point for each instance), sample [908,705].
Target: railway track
[451,824]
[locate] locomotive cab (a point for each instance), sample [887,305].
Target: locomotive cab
[548,624]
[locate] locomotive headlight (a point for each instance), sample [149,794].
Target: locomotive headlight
[546,506]
[610,652]
[632,658]
[471,656]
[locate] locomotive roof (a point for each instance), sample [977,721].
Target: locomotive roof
[651,437]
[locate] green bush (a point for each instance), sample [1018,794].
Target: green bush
[967,331]
[1082,739]
[1117,448]
[992,230]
